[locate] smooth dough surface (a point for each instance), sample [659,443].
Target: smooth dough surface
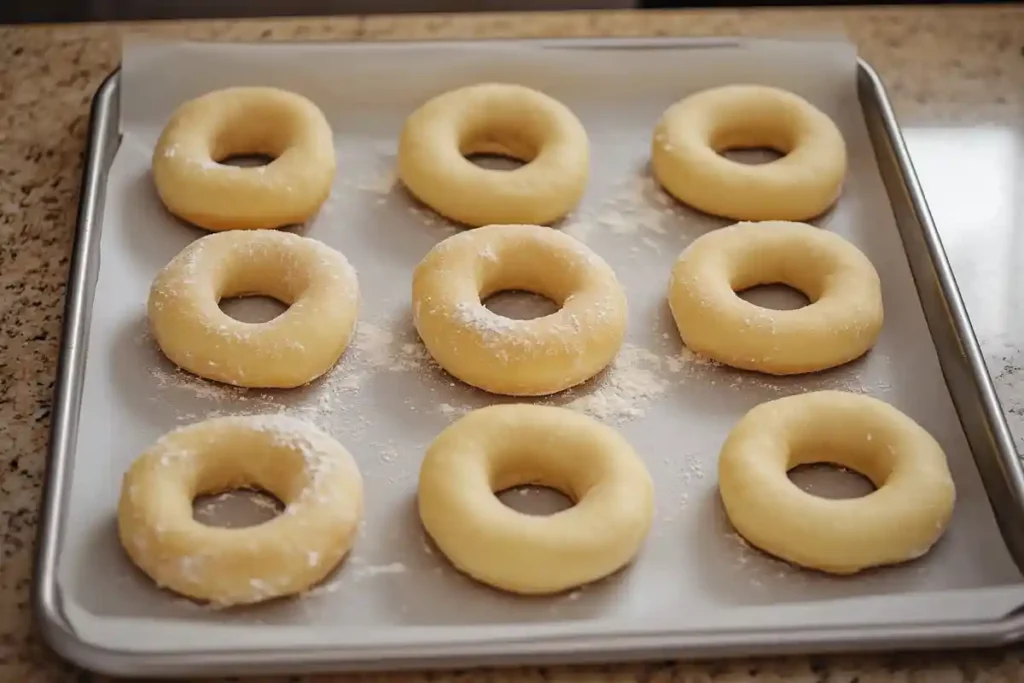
[306,469]
[692,134]
[245,121]
[495,118]
[841,323]
[518,357]
[504,446]
[316,282]
[901,520]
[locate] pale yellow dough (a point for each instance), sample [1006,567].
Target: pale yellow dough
[504,446]
[294,348]
[901,520]
[841,323]
[518,357]
[245,121]
[691,135]
[306,469]
[495,118]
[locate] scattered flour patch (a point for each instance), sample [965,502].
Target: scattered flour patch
[368,571]
[692,469]
[451,411]
[686,360]
[202,389]
[373,344]
[717,374]
[378,349]
[381,183]
[627,387]
[388,454]
[322,589]
[578,226]
[379,179]
[349,383]
[411,356]
[635,206]
[691,477]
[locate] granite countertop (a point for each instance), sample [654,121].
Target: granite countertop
[950,71]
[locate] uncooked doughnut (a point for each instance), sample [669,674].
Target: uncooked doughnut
[294,348]
[518,357]
[504,446]
[901,520]
[306,469]
[841,323]
[201,133]
[495,118]
[692,134]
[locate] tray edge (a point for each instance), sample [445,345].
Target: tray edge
[99,152]
[960,356]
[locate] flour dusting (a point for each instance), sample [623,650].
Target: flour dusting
[636,206]
[371,571]
[623,393]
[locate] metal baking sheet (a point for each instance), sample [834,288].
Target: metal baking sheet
[696,589]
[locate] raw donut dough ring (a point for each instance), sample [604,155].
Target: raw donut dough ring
[245,121]
[495,118]
[306,469]
[688,141]
[901,520]
[294,348]
[502,446]
[518,357]
[841,323]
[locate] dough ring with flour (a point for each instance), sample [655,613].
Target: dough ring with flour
[495,118]
[245,121]
[306,469]
[901,520]
[518,357]
[841,323]
[691,135]
[503,446]
[294,348]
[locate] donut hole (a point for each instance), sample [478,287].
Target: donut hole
[752,156]
[520,304]
[255,138]
[746,146]
[510,284]
[236,508]
[260,286]
[500,151]
[495,162]
[535,500]
[826,480]
[778,297]
[246,160]
[252,309]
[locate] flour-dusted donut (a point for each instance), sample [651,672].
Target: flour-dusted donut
[317,283]
[692,134]
[841,323]
[901,520]
[306,469]
[495,118]
[518,357]
[245,121]
[503,446]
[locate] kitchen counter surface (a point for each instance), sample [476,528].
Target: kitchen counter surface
[956,76]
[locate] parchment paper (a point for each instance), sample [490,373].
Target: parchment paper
[386,401]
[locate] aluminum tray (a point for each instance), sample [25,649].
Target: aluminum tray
[433,617]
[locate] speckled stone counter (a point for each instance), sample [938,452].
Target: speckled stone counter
[957,79]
